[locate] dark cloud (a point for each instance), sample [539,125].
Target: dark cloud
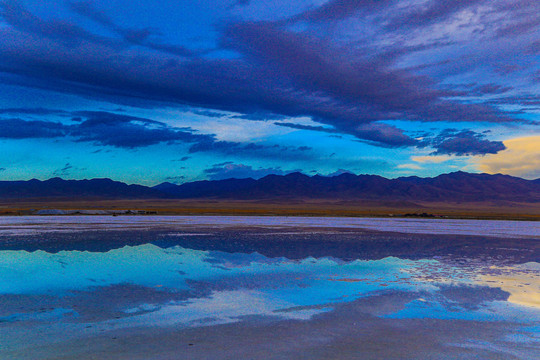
[333,10]
[130,132]
[240,171]
[525,100]
[15,14]
[223,163]
[124,131]
[275,70]
[520,27]
[142,37]
[493,89]
[64,170]
[505,69]
[21,129]
[32,111]
[428,13]
[207,113]
[466,142]
[383,134]
[345,93]
[101,128]
[474,89]
[251,149]
[87,9]
[108,118]
[306,127]
[260,116]
[520,17]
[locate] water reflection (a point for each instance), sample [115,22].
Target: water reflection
[194,285]
[177,280]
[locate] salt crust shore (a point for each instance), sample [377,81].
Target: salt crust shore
[26,225]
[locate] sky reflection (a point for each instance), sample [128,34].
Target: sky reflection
[220,287]
[174,281]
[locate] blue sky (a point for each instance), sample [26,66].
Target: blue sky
[146,92]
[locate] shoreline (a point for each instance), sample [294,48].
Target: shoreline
[290,207]
[151,213]
[208,225]
[271,213]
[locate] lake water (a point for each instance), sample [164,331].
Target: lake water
[180,287]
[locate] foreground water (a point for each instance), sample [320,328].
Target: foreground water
[267,287]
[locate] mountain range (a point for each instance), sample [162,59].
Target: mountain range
[453,187]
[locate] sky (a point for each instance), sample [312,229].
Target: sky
[146,92]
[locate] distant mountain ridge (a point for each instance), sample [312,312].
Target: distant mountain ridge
[456,187]
[57,187]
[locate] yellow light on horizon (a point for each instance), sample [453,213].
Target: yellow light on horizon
[521,158]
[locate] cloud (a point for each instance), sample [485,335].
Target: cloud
[383,134]
[521,17]
[278,71]
[207,113]
[462,143]
[64,170]
[521,158]
[124,131]
[32,111]
[70,34]
[104,128]
[306,127]
[479,90]
[428,13]
[376,133]
[409,166]
[493,89]
[431,159]
[522,100]
[141,37]
[348,84]
[252,149]
[260,116]
[240,171]
[333,10]
[20,129]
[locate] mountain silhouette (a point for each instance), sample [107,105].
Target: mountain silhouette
[457,186]
[453,187]
[75,189]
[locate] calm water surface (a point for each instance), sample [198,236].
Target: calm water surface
[267,287]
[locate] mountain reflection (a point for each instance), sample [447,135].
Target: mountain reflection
[81,284]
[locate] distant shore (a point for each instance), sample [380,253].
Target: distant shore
[323,208]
